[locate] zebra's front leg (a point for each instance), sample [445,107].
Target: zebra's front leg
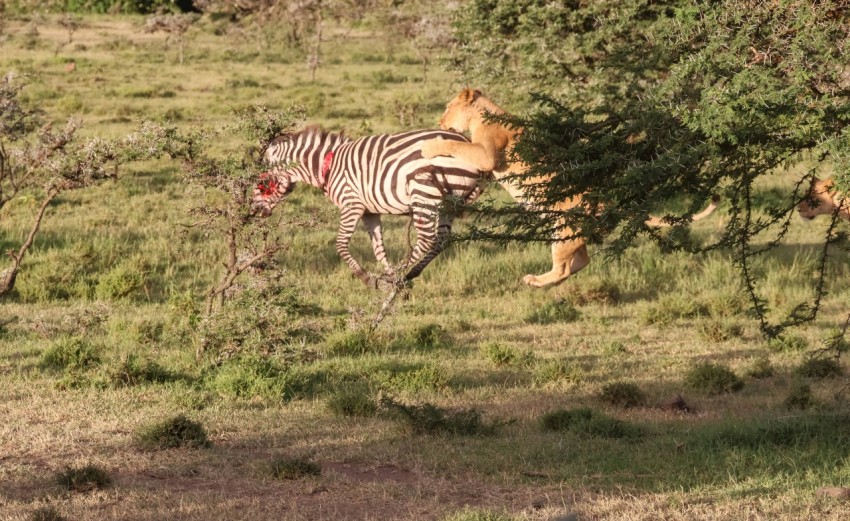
[348,218]
[372,223]
[431,234]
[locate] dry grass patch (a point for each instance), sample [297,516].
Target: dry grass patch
[178,431]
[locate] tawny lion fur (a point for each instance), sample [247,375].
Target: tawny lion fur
[491,145]
[823,199]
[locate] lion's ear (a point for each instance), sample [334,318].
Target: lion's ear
[469,95]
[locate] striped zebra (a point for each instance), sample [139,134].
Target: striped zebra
[370,177]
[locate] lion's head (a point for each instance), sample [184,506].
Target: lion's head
[820,200]
[460,111]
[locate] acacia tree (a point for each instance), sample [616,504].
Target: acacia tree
[38,161]
[644,101]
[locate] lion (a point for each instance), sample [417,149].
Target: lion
[491,143]
[823,199]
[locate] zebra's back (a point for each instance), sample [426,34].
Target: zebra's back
[387,172]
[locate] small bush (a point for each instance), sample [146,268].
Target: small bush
[70,353]
[83,479]
[623,394]
[135,370]
[46,514]
[475,514]
[428,377]
[425,338]
[258,321]
[557,311]
[820,368]
[556,371]
[563,420]
[502,355]
[430,419]
[800,397]
[600,292]
[718,331]
[259,377]
[586,422]
[761,368]
[786,343]
[353,343]
[293,468]
[120,282]
[352,401]
[673,307]
[713,379]
[178,431]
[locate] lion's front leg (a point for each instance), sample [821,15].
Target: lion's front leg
[436,147]
[472,153]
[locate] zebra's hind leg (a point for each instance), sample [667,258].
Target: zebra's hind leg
[372,223]
[429,241]
[349,215]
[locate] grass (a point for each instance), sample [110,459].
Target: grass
[293,468]
[102,335]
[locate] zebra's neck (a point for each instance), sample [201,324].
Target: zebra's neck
[309,150]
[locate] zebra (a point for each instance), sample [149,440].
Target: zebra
[369,177]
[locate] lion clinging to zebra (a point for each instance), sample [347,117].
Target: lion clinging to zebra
[491,144]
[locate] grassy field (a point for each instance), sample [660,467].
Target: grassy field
[477,399]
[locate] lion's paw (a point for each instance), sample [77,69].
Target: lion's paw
[432,148]
[532,280]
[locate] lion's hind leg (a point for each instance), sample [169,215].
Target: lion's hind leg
[568,257]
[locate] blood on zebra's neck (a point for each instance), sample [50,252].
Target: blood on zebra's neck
[326,168]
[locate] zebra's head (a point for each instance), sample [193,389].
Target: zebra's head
[269,191]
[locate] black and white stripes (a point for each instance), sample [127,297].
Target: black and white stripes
[368,177]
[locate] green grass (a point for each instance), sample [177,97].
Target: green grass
[105,334]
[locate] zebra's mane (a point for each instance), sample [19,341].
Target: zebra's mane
[311,131]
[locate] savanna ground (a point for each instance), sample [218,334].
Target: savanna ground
[114,272]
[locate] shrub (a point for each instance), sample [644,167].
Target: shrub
[293,468]
[785,343]
[553,371]
[83,479]
[46,514]
[430,419]
[718,331]
[427,377]
[178,431]
[120,282]
[603,292]
[586,422]
[72,352]
[558,311]
[820,368]
[623,394]
[425,338]
[352,401]
[257,321]
[761,368]
[800,397]
[135,370]
[501,354]
[713,379]
[254,376]
[475,514]
[673,307]
[353,343]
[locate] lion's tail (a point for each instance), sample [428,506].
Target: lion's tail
[658,222]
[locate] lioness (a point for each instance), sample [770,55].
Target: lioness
[823,199]
[491,145]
